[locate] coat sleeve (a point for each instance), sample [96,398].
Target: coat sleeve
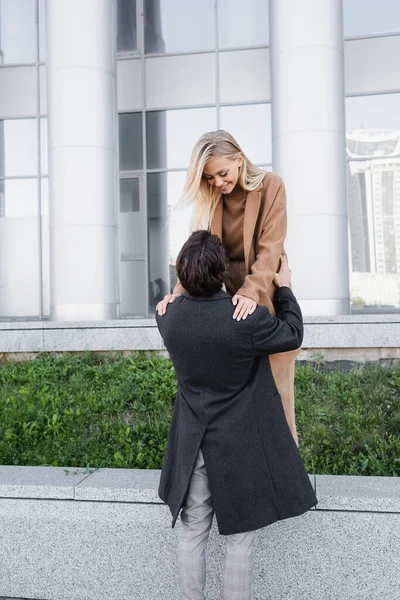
[269,246]
[281,333]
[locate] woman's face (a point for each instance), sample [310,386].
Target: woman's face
[223,173]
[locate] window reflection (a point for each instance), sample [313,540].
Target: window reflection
[18,147]
[168,227]
[126,26]
[44,167]
[19,248]
[130,219]
[129,195]
[130,141]
[370,17]
[241,24]
[42,31]
[17,31]
[374,112]
[373,197]
[250,125]
[171,135]
[373,150]
[45,246]
[20,198]
[179,26]
[2,199]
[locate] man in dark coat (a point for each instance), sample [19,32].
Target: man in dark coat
[228,426]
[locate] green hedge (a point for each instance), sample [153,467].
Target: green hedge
[99,410]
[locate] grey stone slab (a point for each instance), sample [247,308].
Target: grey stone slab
[329,556]
[353,319]
[17,325]
[120,485]
[113,551]
[21,340]
[39,482]
[345,492]
[348,335]
[108,324]
[101,339]
[369,331]
[87,551]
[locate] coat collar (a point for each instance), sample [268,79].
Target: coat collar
[217,296]
[252,208]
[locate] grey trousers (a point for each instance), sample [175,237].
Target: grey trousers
[195,525]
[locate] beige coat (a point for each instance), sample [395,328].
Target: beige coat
[264,233]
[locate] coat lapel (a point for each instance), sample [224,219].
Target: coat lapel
[216,222]
[251,211]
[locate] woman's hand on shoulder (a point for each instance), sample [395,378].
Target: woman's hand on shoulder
[244,306]
[161,307]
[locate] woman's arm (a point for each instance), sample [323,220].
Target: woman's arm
[269,247]
[178,289]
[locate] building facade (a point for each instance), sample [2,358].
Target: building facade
[101,102]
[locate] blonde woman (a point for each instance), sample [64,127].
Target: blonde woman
[246,207]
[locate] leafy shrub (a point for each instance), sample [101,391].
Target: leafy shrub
[100,410]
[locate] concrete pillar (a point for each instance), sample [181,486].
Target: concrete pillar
[83,169]
[308,136]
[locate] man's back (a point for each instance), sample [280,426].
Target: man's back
[217,358]
[211,351]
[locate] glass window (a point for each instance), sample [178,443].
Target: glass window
[370,17]
[132,276]
[20,198]
[17,31]
[44,195]
[171,135]
[372,114]
[373,192]
[130,141]
[168,227]
[130,219]
[250,125]
[242,24]
[129,195]
[44,167]
[2,200]
[19,249]
[179,26]
[18,147]
[42,31]
[45,231]
[126,26]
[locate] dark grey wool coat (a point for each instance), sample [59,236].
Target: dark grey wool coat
[228,404]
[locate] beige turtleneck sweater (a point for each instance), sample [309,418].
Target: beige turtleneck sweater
[232,223]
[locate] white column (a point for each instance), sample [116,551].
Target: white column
[83,175]
[308,134]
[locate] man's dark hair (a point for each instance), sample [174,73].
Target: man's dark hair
[201,264]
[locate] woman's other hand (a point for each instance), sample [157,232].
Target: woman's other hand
[161,307]
[284,275]
[244,306]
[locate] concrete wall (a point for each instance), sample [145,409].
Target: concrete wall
[351,338]
[74,534]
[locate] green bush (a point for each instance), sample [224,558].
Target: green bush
[98,410]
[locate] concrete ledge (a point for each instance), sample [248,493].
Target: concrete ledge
[345,492]
[107,536]
[334,492]
[40,482]
[344,332]
[120,485]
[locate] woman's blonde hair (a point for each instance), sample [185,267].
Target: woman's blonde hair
[197,190]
